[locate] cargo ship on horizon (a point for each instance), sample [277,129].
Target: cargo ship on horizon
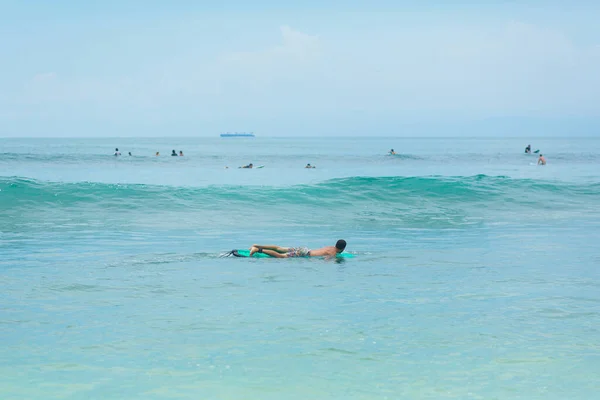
[238,134]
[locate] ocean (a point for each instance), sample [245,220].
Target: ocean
[475,276]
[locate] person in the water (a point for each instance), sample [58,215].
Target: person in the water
[174,153]
[288,252]
[392,152]
[528,149]
[248,166]
[310,166]
[541,160]
[180,153]
[157,154]
[129,153]
[117,152]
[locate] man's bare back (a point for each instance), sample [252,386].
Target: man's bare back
[324,251]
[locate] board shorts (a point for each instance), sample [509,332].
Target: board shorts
[298,252]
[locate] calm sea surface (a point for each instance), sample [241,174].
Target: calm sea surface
[476,275]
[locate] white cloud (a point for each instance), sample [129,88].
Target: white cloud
[44,77]
[298,44]
[508,69]
[295,46]
[515,68]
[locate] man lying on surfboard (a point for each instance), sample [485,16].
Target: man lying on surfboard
[285,252]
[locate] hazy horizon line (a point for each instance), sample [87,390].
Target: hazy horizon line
[486,136]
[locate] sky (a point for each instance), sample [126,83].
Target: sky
[385,68]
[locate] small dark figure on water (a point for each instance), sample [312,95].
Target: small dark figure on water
[541,160]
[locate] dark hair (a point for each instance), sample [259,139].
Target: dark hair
[341,244]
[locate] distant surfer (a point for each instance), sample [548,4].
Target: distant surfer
[157,154]
[180,153]
[288,252]
[392,152]
[541,160]
[117,152]
[248,166]
[174,153]
[310,166]
[130,153]
[528,149]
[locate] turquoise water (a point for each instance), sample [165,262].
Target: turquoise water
[475,277]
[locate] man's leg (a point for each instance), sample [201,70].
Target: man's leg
[279,249]
[271,247]
[273,253]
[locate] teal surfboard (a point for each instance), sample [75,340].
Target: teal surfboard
[246,253]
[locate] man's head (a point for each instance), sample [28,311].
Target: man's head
[340,245]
